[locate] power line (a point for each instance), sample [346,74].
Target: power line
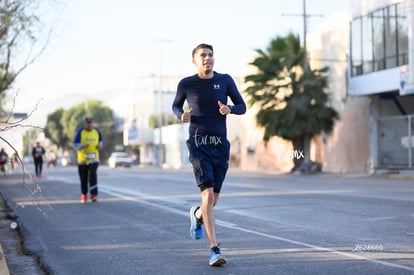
[305,16]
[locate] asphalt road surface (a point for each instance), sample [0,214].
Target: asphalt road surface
[266,223]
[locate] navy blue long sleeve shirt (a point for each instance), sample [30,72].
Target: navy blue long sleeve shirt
[202,96]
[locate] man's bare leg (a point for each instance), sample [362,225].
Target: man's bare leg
[208,201]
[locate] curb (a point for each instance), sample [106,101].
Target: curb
[399,176]
[4,270]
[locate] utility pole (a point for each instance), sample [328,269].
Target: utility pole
[306,140]
[305,54]
[305,15]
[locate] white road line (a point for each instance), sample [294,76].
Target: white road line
[133,197]
[319,248]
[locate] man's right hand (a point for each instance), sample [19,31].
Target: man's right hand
[186,116]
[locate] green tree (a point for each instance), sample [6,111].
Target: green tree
[62,125]
[20,30]
[54,129]
[291,99]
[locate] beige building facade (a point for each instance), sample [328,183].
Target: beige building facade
[371,85]
[346,149]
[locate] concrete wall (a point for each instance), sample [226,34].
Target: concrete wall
[346,149]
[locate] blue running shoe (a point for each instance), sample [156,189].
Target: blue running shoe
[197,226]
[216,257]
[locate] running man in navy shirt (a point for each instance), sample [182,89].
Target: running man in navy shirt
[207,94]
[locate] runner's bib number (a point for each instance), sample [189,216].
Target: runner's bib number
[90,156]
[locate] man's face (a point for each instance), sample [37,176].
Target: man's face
[88,125]
[204,60]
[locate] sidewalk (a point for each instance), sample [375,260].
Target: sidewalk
[13,259]
[396,174]
[3,264]
[7,238]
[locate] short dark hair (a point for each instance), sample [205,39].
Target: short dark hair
[88,119]
[202,46]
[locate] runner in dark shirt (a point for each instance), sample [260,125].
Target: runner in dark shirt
[207,94]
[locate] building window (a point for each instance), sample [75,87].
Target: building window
[391,34]
[356,46]
[379,40]
[402,35]
[367,45]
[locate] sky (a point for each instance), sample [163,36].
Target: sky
[97,45]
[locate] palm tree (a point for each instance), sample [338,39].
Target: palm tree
[292,101]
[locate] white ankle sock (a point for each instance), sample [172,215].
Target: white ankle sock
[198,214]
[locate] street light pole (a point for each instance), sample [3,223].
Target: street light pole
[160,101]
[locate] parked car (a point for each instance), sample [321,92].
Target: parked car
[118,159]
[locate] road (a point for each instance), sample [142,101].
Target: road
[267,223]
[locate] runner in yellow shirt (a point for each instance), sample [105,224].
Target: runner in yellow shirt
[88,141]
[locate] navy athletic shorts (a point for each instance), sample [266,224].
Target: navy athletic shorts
[210,162]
